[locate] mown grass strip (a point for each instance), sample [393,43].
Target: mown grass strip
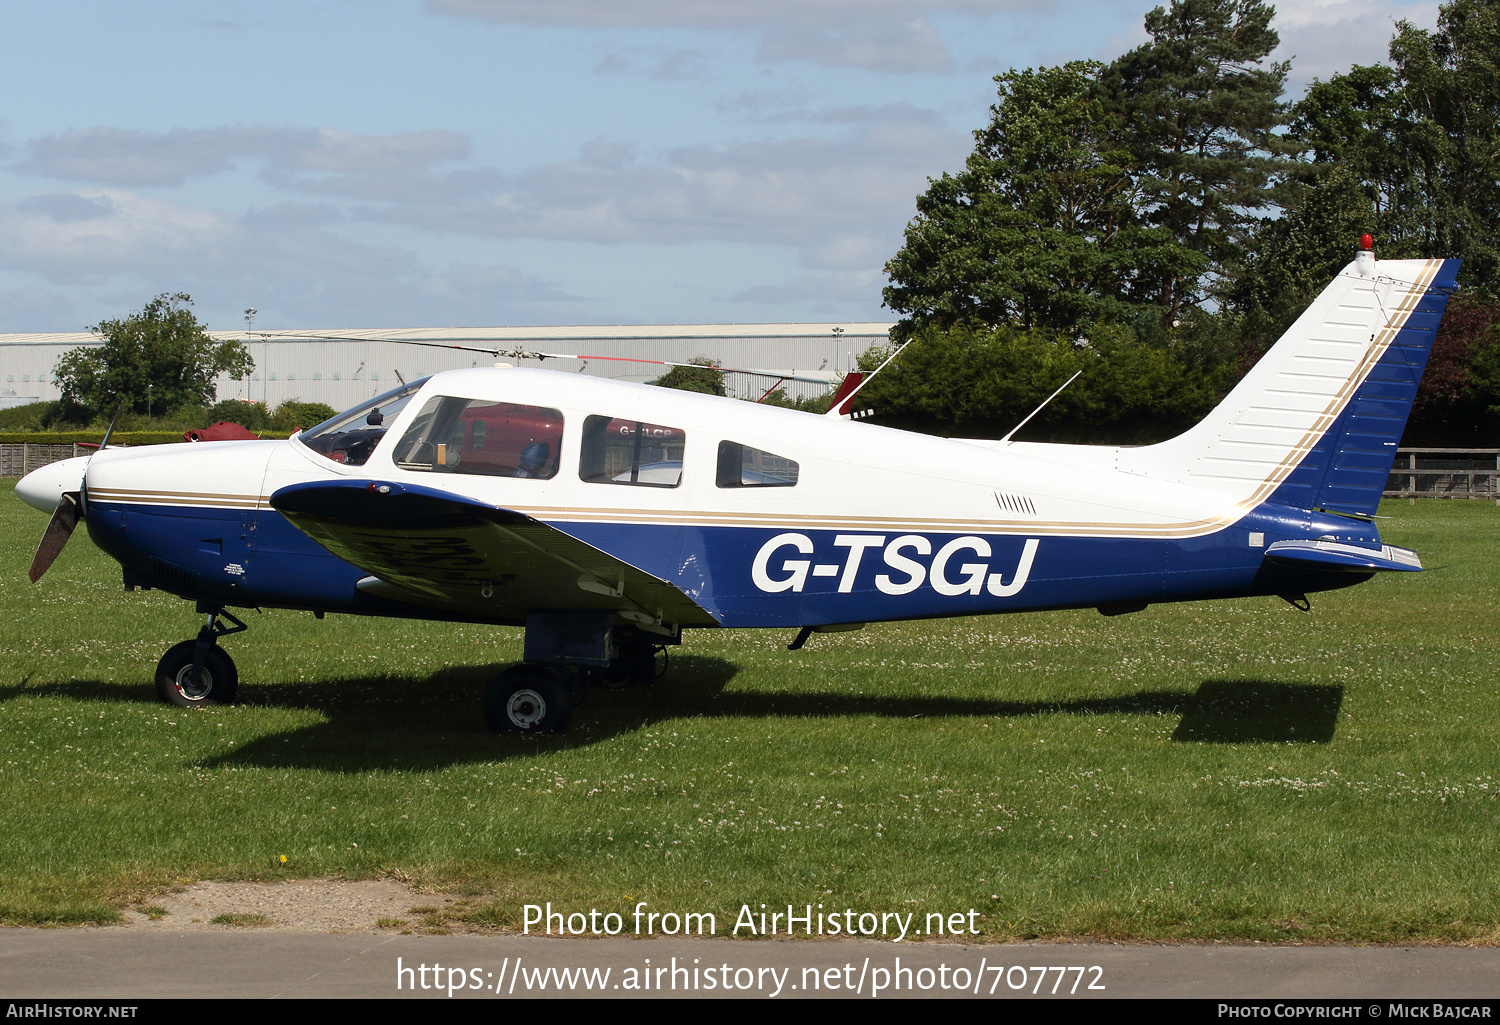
[1232,769]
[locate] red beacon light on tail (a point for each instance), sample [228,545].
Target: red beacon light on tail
[1366,243]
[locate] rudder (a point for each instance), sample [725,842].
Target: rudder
[1348,466]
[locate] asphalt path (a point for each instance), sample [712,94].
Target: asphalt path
[115,964]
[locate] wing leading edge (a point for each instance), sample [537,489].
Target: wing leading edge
[444,551]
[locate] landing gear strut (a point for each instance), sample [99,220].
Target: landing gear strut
[634,665]
[197,673]
[539,696]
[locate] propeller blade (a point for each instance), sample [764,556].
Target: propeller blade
[59,529]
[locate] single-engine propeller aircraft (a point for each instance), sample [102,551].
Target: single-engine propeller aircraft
[608,518]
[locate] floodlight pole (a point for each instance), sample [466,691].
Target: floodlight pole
[265,395]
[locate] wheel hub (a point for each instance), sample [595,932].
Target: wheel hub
[188,689]
[526,708]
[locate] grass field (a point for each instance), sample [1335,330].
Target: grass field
[1224,770]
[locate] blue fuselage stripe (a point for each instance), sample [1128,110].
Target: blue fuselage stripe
[757,576]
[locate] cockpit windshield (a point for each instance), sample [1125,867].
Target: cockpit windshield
[351,436]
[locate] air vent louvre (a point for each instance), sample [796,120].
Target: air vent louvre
[1013,503]
[174,578]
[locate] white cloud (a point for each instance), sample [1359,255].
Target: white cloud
[332,150]
[852,250]
[886,113]
[718,14]
[854,287]
[783,107]
[680,65]
[462,283]
[912,45]
[293,216]
[116,156]
[39,309]
[1323,38]
[842,203]
[879,35]
[68,206]
[45,234]
[284,259]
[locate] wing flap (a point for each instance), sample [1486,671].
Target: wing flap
[451,552]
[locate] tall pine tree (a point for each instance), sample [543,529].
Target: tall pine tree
[1034,230]
[1422,137]
[1198,108]
[1105,193]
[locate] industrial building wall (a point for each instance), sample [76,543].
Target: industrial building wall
[347,366]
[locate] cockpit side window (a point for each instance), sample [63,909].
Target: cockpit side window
[353,435]
[504,439]
[624,451]
[741,466]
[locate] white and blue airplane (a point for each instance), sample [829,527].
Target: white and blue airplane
[608,518]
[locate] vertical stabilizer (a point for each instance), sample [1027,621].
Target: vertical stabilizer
[1316,422]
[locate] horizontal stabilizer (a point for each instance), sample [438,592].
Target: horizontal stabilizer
[1332,555]
[447,551]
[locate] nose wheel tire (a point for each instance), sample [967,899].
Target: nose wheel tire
[217,682]
[528,699]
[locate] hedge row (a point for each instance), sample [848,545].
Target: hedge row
[93,437]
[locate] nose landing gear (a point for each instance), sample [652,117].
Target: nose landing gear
[197,673]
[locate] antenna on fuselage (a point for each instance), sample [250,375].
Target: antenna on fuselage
[833,411]
[1038,409]
[113,423]
[399,377]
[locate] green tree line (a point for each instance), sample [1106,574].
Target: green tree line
[158,367]
[1158,221]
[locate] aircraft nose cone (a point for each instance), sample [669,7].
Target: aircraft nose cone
[42,487]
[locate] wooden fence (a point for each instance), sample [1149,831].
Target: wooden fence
[1445,473]
[19,460]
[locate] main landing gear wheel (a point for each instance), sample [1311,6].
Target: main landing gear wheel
[217,681]
[635,666]
[528,699]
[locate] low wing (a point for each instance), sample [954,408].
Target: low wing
[445,551]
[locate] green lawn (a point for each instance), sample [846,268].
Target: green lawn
[1224,770]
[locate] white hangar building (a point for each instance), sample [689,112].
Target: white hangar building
[346,366]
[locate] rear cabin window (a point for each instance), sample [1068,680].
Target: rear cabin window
[741,466]
[505,439]
[625,451]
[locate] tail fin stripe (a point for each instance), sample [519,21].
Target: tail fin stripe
[1279,417]
[1346,469]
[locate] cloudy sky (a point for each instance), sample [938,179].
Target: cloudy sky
[389,163]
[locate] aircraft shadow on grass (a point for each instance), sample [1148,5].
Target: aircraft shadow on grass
[1261,712]
[394,722]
